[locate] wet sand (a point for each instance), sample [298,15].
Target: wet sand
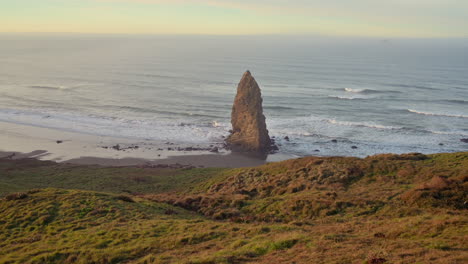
[231,160]
[60,146]
[206,160]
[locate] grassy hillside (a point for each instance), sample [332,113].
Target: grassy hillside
[22,175]
[383,209]
[313,187]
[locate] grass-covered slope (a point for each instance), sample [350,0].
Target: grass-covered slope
[313,187]
[382,209]
[70,226]
[24,174]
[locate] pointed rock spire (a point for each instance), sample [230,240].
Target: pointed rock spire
[249,132]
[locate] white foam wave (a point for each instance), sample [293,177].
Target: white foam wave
[367,91]
[49,87]
[454,133]
[361,124]
[349,98]
[116,127]
[437,114]
[354,90]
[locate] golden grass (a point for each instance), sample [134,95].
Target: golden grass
[383,209]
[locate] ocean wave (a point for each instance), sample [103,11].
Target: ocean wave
[49,87]
[421,87]
[354,90]
[29,101]
[116,127]
[454,133]
[279,108]
[348,98]
[163,112]
[436,114]
[366,91]
[462,102]
[361,124]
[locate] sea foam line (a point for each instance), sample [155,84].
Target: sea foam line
[359,124]
[435,114]
[348,98]
[351,90]
[115,127]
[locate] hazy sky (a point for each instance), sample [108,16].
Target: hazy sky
[380,18]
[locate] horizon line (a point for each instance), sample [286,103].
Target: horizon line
[240,35]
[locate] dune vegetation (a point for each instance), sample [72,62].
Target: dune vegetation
[409,208]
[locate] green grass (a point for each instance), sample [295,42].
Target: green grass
[72,226]
[311,188]
[20,175]
[401,208]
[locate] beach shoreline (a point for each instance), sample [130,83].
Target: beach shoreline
[231,160]
[23,141]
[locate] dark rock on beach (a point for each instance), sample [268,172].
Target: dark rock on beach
[464,140]
[214,150]
[167,166]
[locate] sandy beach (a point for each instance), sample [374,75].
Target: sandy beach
[60,146]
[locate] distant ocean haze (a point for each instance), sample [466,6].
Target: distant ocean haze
[379,96]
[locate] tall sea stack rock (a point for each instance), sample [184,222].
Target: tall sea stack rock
[249,132]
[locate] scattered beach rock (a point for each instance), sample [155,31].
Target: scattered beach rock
[441,144]
[167,166]
[464,140]
[120,148]
[334,141]
[317,150]
[59,141]
[9,156]
[354,147]
[214,150]
[249,131]
[286,138]
[194,149]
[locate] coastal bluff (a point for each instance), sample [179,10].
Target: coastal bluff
[249,131]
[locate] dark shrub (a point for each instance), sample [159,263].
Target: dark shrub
[15,196]
[125,198]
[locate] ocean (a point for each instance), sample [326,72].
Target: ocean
[330,96]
